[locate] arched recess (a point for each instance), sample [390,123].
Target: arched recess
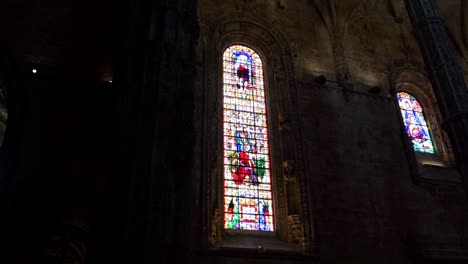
[418,85]
[292,203]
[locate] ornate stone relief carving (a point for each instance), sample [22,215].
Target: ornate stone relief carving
[296,230]
[216,226]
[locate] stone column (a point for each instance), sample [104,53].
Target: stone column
[154,74]
[445,74]
[3,107]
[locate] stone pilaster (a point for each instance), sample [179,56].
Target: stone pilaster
[445,74]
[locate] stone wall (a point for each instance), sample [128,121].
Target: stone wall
[368,200]
[368,208]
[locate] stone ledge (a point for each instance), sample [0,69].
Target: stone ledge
[445,251]
[439,174]
[262,254]
[258,245]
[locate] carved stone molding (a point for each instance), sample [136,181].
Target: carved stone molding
[216,226]
[288,171]
[296,231]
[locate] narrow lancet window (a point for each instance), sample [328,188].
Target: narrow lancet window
[248,203]
[415,123]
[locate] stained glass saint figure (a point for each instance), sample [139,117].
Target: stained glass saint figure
[415,123]
[247,176]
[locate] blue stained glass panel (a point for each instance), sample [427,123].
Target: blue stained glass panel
[415,123]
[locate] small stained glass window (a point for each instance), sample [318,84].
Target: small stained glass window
[415,123]
[248,203]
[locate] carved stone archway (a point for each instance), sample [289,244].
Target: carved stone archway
[418,84]
[283,119]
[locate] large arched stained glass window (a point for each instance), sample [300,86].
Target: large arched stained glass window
[415,123]
[247,179]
